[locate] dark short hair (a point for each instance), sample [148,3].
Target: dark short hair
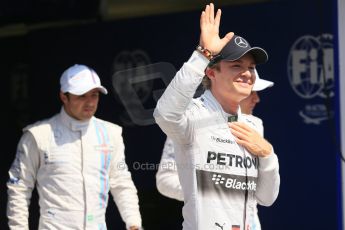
[206,82]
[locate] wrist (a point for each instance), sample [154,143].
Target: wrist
[133,228]
[267,150]
[205,52]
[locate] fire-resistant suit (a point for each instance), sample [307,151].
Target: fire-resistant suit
[221,180]
[74,165]
[167,181]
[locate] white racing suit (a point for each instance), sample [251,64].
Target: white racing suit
[167,181]
[221,180]
[74,165]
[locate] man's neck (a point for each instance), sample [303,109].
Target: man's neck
[229,105]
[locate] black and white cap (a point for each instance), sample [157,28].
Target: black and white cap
[236,48]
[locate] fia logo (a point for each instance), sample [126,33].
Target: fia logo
[311,74]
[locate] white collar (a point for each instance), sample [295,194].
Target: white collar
[214,105]
[72,123]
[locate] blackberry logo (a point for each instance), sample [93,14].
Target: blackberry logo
[235,182]
[218,179]
[222,140]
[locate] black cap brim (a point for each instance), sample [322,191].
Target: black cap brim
[260,56]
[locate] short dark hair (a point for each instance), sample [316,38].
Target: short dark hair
[206,82]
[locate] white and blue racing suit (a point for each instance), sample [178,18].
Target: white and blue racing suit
[73,164]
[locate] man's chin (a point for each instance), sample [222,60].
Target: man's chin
[245,94]
[88,115]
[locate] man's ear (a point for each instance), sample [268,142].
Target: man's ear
[63,97]
[209,73]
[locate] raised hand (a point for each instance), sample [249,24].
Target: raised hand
[209,26]
[250,139]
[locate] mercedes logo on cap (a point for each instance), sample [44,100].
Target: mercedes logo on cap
[241,42]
